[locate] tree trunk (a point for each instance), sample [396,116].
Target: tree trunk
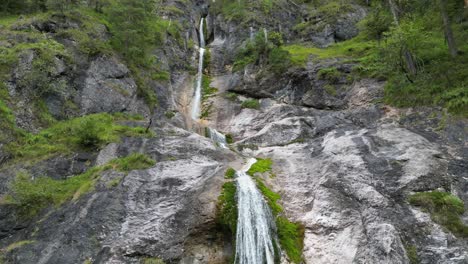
[394,10]
[448,29]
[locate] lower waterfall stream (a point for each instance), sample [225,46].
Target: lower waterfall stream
[256,228]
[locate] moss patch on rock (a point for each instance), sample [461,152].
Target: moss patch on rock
[444,208]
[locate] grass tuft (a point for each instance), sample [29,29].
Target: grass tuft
[444,208]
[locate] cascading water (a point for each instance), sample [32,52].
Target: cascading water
[218,137]
[196,105]
[256,229]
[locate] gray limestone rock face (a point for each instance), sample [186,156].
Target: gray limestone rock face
[108,87]
[154,212]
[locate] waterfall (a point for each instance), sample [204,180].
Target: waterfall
[196,105]
[251,34]
[265,34]
[217,137]
[255,232]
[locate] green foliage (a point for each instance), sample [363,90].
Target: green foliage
[87,132]
[31,195]
[229,139]
[153,261]
[291,238]
[330,89]
[261,166]
[227,212]
[412,254]
[290,235]
[262,51]
[231,96]
[377,22]
[251,103]
[445,209]
[330,74]
[207,90]
[135,161]
[271,197]
[230,173]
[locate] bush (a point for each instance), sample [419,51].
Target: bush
[251,103]
[230,173]
[329,74]
[89,133]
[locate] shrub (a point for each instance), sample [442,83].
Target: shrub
[230,173]
[251,103]
[329,74]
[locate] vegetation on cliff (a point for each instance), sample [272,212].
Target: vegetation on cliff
[31,195]
[445,209]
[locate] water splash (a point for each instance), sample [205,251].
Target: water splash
[256,229]
[217,137]
[196,105]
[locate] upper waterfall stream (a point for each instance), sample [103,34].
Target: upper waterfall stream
[196,104]
[256,229]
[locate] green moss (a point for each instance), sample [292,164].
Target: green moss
[87,132]
[31,195]
[330,89]
[229,139]
[271,197]
[153,261]
[290,235]
[329,74]
[230,173]
[357,48]
[251,103]
[261,166]
[207,90]
[231,96]
[226,216]
[135,161]
[18,245]
[445,209]
[412,254]
[291,238]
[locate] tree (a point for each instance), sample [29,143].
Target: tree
[448,28]
[132,28]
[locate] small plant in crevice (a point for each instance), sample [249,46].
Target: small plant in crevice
[230,173]
[251,103]
[226,216]
[412,254]
[444,208]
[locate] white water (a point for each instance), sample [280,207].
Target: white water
[255,227]
[218,137]
[196,104]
